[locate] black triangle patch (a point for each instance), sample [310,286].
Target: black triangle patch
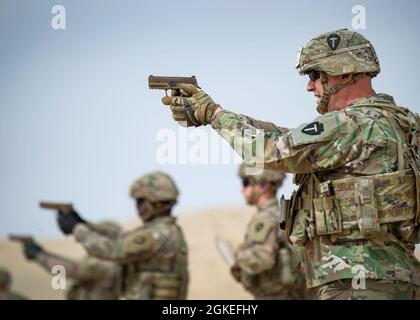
[314,128]
[333,41]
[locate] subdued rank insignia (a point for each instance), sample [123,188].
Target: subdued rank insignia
[314,128]
[259,226]
[333,41]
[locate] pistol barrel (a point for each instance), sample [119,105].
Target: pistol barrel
[165,83]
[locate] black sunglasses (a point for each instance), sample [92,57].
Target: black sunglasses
[139,201]
[246,182]
[314,75]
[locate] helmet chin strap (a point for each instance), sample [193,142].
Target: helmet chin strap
[328,91]
[254,195]
[152,211]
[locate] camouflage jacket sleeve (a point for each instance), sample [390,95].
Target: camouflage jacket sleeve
[330,141]
[89,269]
[258,253]
[136,245]
[48,260]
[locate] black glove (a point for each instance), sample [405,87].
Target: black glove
[67,221]
[31,250]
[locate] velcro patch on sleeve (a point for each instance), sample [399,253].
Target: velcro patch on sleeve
[259,230]
[138,242]
[323,128]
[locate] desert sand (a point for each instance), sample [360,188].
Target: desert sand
[210,277]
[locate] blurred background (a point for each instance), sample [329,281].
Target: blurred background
[79,124]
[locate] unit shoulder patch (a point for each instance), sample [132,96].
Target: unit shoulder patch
[324,128]
[313,129]
[259,229]
[139,241]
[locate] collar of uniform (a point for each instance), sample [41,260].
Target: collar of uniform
[268,204]
[382,97]
[163,219]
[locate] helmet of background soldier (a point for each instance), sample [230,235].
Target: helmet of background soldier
[274,177]
[159,191]
[337,53]
[5,278]
[155,187]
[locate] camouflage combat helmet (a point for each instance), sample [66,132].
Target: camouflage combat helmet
[273,176]
[155,187]
[5,277]
[159,191]
[337,53]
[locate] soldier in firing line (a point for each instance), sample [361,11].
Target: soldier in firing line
[265,263]
[153,257]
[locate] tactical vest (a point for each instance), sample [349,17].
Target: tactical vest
[164,275]
[362,207]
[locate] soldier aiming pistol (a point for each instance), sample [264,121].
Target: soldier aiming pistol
[22,239]
[166,83]
[62,208]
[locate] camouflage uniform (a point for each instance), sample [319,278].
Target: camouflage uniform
[5,282]
[154,256]
[266,261]
[356,211]
[93,279]
[350,227]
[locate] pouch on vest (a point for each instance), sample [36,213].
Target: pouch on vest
[327,211]
[327,216]
[367,210]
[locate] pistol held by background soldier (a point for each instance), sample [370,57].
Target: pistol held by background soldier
[153,257]
[356,165]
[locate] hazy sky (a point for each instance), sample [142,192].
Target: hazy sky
[78,122]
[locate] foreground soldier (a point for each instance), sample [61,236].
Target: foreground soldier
[154,256]
[265,262]
[5,283]
[356,211]
[93,279]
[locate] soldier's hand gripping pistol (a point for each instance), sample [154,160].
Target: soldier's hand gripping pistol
[67,217]
[189,105]
[30,248]
[171,83]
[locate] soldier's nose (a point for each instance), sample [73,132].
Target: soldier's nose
[310,86]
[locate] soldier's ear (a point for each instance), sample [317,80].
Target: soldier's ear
[346,77]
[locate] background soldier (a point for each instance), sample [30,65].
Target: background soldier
[93,279]
[265,262]
[5,287]
[153,256]
[357,208]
